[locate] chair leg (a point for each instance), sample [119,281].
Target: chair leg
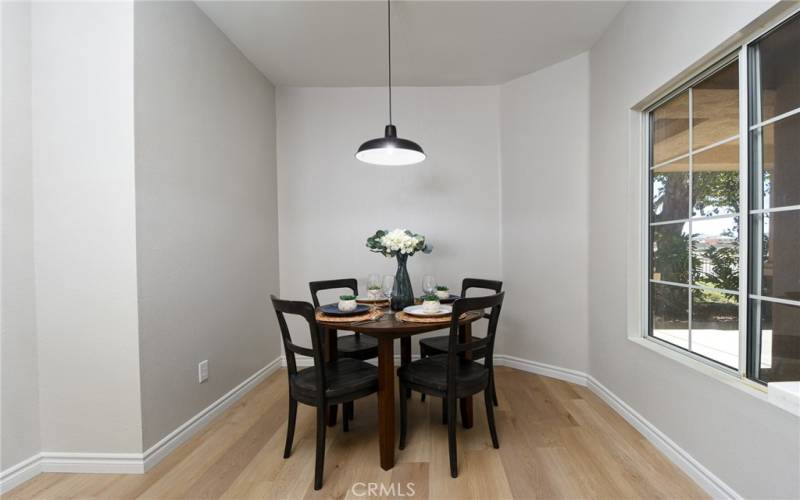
[290,428]
[423,353]
[320,460]
[352,411]
[487,396]
[403,415]
[451,434]
[444,411]
[494,391]
[346,408]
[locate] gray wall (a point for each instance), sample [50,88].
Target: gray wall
[544,132]
[330,202]
[19,389]
[84,226]
[206,213]
[752,446]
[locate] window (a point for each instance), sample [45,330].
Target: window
[710,213]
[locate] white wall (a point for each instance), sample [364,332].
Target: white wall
[84,226]
[19,418]
[752,446]
[329,202]
[206,213]
[544,132]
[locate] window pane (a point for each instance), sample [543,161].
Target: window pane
[669,307]
[715,107]
[777,180]
[670,252]
[670,129]
[779,275]
[715,180]
[777,328]
[715,253]
[671,191]
[715,326]
[780,70]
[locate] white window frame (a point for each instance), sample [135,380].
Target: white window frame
[637,237]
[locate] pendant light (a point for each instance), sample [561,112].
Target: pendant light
[390,149]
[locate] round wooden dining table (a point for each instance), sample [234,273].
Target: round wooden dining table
[386,329]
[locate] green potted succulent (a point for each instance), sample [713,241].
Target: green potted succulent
[442,292]
[374,292]
[430,304]
[347,303]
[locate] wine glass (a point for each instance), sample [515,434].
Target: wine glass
[428,284]
[373,283]
[386,287]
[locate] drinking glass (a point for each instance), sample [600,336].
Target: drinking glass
[428,284]
[373,281]
[386,286]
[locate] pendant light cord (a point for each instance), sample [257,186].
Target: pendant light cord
[389,26]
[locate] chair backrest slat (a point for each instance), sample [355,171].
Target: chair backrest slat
[318,286]
[303,351]
[473,346]
[482,284]
[306,311]
[467,283]
[455,347]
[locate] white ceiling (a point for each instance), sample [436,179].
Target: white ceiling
[343,43]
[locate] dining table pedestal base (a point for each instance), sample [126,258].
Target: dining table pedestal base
[386,330]
[386,415]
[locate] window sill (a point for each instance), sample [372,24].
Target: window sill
[784,395]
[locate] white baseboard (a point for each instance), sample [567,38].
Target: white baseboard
[130,463]
[707,480]
[538,368]
[712,484]
[174,439]
[141,462]
[19,473]
[95,463]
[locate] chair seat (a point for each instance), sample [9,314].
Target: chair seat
[345,377]
[431,373]
[438,345]
[358,347]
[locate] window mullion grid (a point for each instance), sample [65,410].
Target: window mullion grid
[744,205]
[775,300]
[691,213]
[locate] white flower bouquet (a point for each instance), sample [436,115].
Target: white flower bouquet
[397,242]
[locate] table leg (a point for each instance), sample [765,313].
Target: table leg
[405,356]
[465,335]
[386,401]
[331,354]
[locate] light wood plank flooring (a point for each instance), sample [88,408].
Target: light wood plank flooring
[557,440]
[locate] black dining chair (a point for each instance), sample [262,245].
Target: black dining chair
[451,376]
[338,382]
[354,346]
[438,345]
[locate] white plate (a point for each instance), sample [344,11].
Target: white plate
[368,300]
[444,309]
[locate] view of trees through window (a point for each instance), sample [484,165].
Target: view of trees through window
[696,214]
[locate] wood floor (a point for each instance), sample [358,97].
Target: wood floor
[557,440]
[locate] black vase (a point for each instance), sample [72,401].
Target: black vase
[402,293]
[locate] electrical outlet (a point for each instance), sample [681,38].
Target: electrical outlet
[202,371]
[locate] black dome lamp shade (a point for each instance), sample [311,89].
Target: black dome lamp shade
[390,149]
